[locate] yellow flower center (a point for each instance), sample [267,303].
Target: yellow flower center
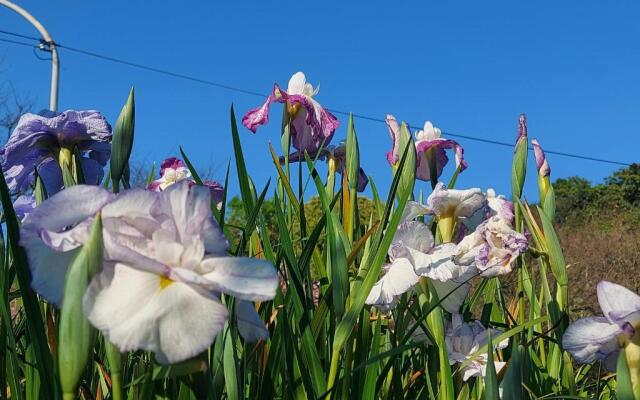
[165,282]
[293,109]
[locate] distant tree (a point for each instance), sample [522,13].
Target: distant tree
[628,180]
[12,107]
[577,199]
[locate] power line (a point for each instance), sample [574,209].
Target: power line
[31,45]
[252,93]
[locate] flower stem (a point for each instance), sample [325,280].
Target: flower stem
[115,365]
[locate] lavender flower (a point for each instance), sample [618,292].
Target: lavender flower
[492,248]
[43,140]
[165,266]
[311,124]
[464,339]
[413,255]
[600,338]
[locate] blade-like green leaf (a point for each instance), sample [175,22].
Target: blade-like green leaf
[35,326]
[491,378]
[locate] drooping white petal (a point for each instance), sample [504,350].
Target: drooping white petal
[590,339]
[242,277]
[250,325]
[399,279]
[618,303]
[137,310]
[452,293]
[48,269]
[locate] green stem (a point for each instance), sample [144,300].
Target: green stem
[115,365]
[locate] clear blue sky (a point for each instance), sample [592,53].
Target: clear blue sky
[470,67]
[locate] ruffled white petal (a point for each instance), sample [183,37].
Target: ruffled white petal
[137,310]
[62,220]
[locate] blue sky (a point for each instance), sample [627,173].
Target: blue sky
[470,67]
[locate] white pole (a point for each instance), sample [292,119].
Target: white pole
[55,60]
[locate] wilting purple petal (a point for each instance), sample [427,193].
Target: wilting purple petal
[439,146]
[423,166]
[541,160]
[258,116]
[312,126]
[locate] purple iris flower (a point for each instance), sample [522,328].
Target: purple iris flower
[39,139]
[311,124]
[430,139]
[428,143]
[173,170]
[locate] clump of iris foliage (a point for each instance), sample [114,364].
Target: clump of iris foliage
[109,291]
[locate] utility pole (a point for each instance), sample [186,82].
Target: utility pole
[46,43]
